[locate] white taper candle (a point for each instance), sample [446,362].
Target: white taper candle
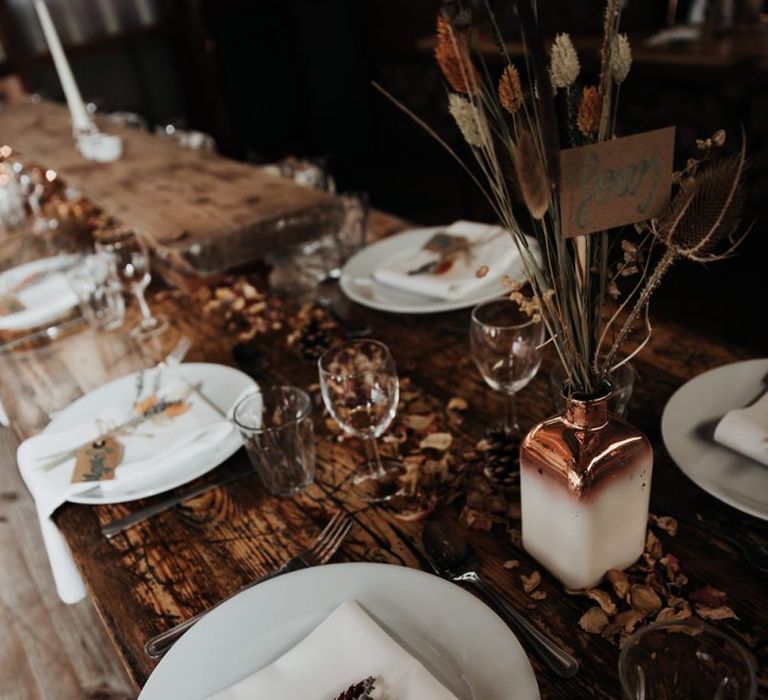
[81,121]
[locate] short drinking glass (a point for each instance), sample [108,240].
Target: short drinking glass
[671,660]
[277,431]
[360,389]
[506,346]
[98,292]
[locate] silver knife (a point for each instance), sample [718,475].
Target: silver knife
[122,524]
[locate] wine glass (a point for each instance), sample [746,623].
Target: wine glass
[360,388]
[685,659]
[507,349]
[130,257]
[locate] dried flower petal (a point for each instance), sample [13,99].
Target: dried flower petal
[590,106]
[418,422]
[510,92]
[620,582]
[482,271]
[511,564]
[457,404]
[673,615]
[653,545]
[468,119]
[594,620]
[644,599]
[531,582]
[621,58]
[603,599]
[437,441]
[666,523]
[722,612]
[709,596]
[539,595]
[564,62]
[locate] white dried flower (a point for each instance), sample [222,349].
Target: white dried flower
[564,62]
[621,58]
[468,119]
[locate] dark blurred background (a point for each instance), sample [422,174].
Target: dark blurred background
[271,78]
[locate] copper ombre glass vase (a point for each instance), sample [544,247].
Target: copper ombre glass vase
[585,481]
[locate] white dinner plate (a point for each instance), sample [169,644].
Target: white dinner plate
[358,284]
[222,385]
[688,424]
[461,641]
[44,301]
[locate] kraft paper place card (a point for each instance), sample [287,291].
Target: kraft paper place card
[615,182]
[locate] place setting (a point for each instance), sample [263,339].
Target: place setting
[272,441]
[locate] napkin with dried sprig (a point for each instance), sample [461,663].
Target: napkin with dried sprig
[515,122]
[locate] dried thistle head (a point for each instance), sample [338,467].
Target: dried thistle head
[510,91]
[531,175]
[468,118]
[621,58]
[701,222]
[590,105]
[564,64]
[452,55]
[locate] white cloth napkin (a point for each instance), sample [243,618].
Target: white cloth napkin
[746,430]
[498,253]
[149,453]
[346,648]
[43,300]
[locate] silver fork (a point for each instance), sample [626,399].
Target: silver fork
[318,553]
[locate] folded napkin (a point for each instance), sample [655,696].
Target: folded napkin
[346,648]
[746,430]
[41,300]
[491,246]
[153,449]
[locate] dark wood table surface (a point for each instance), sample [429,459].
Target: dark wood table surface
[187,559]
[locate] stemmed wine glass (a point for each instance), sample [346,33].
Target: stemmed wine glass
[507,349]
[130,257]
[360,388]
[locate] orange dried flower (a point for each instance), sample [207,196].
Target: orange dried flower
[588,119]
[510,92]
[452,55]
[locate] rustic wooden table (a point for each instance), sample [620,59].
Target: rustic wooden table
[186,559]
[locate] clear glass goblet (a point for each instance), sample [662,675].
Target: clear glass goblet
[687,659]
[130,257]
[360,389]
[506,346]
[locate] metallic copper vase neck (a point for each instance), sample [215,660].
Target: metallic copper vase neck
[587,412]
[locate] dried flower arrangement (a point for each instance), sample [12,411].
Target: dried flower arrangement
[515,136]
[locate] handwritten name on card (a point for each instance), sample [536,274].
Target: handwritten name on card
[616,182]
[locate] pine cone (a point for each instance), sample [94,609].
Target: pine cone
[359,691]
[501,460]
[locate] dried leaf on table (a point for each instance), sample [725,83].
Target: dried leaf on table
[722,612]
[594,620]
[437,441]
[620,582]
[644,599]
[530,583]
[419,422]
[538,595]
[511,564]
[665,522]
[602,598]
[457,404]
[653,545]
[708,596]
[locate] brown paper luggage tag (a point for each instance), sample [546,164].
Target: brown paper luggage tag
[97,460]
[10,304]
